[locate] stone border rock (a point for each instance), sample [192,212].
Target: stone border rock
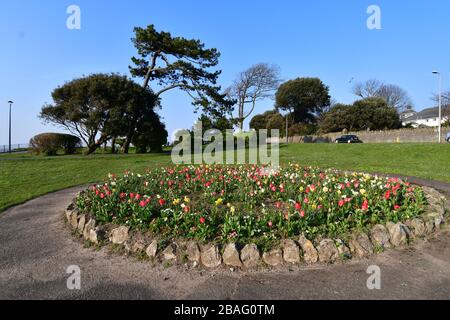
[250,257]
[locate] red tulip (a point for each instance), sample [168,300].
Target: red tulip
[162,202]
[202,220]
[387,196]
[298,206]
[365,205]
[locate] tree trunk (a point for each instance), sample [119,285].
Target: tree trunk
[91,148]
[126,143]
[241,116]
[113,145]
[125,146]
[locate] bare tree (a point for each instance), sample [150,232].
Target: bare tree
[367,89]
[254,84]
[395,96]
[445,103]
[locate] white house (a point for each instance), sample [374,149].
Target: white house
[427,117]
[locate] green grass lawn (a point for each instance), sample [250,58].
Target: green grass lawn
[23,177]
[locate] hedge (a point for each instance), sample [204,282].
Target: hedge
[50,143]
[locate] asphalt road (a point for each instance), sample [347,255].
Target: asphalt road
[37,248]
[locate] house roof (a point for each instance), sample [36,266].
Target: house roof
[428,113]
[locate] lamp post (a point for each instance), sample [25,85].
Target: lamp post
[440,104]
[10,105]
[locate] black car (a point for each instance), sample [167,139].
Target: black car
[348,139]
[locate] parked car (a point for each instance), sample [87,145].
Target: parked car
[448,137]
[348,139]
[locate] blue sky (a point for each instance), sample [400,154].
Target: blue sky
[321,38]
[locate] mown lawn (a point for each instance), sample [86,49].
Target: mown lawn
[23,177]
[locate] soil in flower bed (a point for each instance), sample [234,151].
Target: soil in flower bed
[250,204]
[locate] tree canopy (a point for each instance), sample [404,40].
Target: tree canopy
[151,134]
[100,107]
[175,62]
[305,98]
[370,113]
[257,83]
[394,96]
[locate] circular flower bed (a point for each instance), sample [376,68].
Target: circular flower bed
[250,204]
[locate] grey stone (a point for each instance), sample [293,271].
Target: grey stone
[193,252]
[433,196]
[429,226]
[74,220]
[93,236]
[169,252]
[343,249]
[418,227]
[87,229]
[119,235]
[128,246]
[398,234]
[138,246]
[210,257]
[231,256]
[81,223]
[380,236]
[361,246]
[291,252]
[152,249]
[273,257]
[310,254]
[250,256]
[68,214]
[436,217]
[328,251]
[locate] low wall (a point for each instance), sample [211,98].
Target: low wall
[389,136]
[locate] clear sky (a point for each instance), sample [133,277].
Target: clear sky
[320,38]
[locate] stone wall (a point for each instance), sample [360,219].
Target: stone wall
[389,136]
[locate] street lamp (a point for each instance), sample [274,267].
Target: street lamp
[10,105]
[440,103]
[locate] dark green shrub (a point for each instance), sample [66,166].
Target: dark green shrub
[50,143]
